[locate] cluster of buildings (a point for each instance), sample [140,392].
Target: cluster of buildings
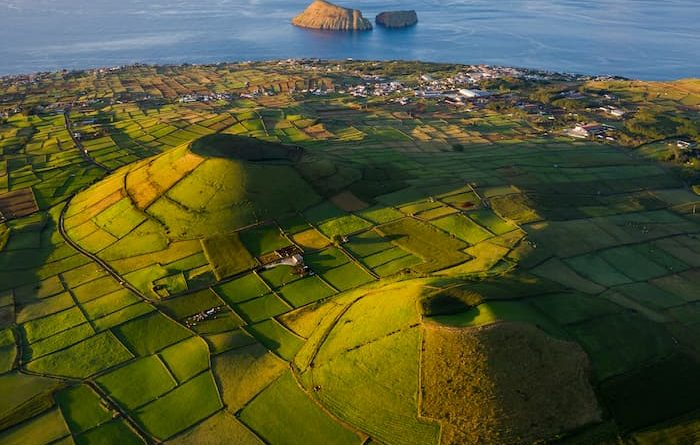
[475,74]
[189,98]
[571,94]
[377,89]
[687,151]
[455,88]
[591,130]
[613,111]
[314,91]
[54,108]
[462,88]
[686,145]
[4,114]
[462,97]
[192,320]
[286,256]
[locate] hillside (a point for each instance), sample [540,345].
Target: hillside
[216,184]
[315,257]
[321,14]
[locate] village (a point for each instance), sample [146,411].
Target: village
[572,111]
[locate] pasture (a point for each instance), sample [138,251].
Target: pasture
[134,307]
[298,420]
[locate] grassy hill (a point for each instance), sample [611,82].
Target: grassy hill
[159,217]
[476,277]
[216,184]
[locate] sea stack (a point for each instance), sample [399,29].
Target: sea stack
[321,14]
[397,19]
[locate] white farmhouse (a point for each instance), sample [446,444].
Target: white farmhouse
[473,93]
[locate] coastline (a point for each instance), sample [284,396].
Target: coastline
[107,68]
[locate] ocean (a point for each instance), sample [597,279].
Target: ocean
[645,39]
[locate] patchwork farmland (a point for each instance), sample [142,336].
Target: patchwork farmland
[249,254]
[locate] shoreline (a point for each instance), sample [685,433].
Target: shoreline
[108,68]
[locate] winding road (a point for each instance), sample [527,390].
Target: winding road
[95,258]
[83,152]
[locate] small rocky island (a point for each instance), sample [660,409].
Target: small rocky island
[397,19]
[325,15]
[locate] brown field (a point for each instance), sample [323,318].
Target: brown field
[349,202]
[506,383]
[311,239]
[18,203]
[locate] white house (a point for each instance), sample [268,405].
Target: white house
[473,93]
[613,111]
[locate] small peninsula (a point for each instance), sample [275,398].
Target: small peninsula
[397,19]
[321,14]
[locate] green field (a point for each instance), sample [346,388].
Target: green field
[227,255]
[81,408]
[275,337]
[305,291]
[299,420]
[150,333]
[463,228]
[83,359]
[172,413]
[187,358]
[138,382]
[436,248]
[116,431]
[242,289]
[263,239]
[465,274]
[261,308]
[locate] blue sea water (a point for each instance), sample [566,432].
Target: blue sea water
[647,39]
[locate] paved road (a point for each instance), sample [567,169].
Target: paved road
[83,152]
[95,258]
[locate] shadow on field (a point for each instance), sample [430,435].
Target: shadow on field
[28,249]
[122,138]
[245,149]
[644,371]
[652,391]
